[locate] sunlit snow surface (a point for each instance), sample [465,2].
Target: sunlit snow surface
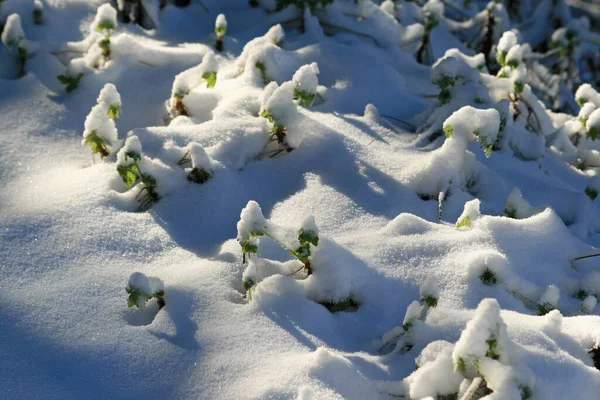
[69,240]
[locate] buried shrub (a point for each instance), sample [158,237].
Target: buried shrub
[142,288]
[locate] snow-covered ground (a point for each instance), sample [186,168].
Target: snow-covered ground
[325,213]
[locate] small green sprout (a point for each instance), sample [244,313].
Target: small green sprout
[448,130]
[248,284]
[591,193]
[220,30]
[263,71]
[545,308]
[593,133]
[491,351]
[466,221]
[97,144]
[488,277]
[210,78]
[38,16]
[510,213]
[304,97]
[142,288]
[581,294]
[430,301]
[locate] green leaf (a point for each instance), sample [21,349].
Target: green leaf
[582,101]
[488,277]
[268,116]
[593,133]
[466,221]
[545,308]
[135,295]
[511,213]
[526,393]
[128,174]
[444,82]
[518,87]
[591,193]
[105,26]
[581,294]
[199,175]
[513,64]
[302,253]
[305,98]
[248,283]
[444,96]
[491,351]
[220,32]
[148,180]
[64,79]
[134,155]
[501,57]
[210,78]
[430,301]
[249,248]
[308,236]
[460,365]
[97,144]
[104,44]
[448,130]
[114,111]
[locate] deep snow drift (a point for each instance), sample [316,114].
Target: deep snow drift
[294,206]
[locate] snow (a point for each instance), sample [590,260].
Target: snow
[131,145]
[105,19]
[109,96]
[368,168]
[221,22]
[306,78]
[13,34]
[586,93]
[98,122]
[507,41]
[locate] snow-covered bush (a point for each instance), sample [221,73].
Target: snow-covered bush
[189,79]
[111,99]
[470,214]
[38,12]
[142,288]
[201,164]
[548,300]
[104,24]
[100,132]
[252,225]
[128,168]
[279,109]
[306,80]
[401,338]
[220,31]
[14,37]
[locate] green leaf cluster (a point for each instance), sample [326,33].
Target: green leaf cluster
[466,221]
[430,301]
[304,97]
[488,277]
[114,111]
[71,82]
[591,193]
[105,26]
[136,294]
[97,144]
[210,78]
